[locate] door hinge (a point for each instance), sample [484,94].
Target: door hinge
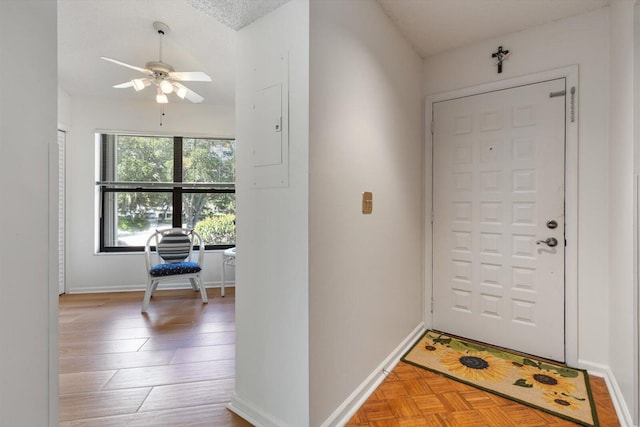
[573,104]
[431,127]
[432,306]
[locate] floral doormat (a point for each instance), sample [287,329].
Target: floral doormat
[556,389]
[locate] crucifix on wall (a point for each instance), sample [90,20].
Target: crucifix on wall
[501,55]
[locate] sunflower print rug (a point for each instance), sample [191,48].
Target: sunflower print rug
[555,389]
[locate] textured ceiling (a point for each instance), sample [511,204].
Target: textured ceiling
[236,14]
[434,26]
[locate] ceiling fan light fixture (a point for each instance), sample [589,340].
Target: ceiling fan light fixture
[161,98]
[181,92]
[166,86]
[138,84]
[162,76]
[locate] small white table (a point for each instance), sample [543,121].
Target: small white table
[228,260]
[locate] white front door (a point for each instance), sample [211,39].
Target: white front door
[498,195]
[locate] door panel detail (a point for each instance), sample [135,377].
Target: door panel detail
[498,180]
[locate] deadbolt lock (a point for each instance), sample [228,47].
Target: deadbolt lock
[552,224]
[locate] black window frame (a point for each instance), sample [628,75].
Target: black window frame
[177,191]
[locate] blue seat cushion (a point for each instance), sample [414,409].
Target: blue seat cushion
[174,269]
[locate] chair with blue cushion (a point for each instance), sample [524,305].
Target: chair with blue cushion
[169,256]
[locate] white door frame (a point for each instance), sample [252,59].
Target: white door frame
[61,209]
[570,73]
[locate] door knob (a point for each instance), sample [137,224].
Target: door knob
[551,242]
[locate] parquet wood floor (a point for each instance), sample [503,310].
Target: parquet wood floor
[175,367]
[414,397]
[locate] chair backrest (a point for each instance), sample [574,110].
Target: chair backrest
[174,246]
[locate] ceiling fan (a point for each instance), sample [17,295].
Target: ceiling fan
[162,76]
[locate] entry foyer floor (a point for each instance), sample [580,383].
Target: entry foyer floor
[175,367]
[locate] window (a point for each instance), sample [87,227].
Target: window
[151,182]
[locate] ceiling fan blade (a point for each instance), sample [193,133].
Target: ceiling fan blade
[124,64]
[193,97]
[137,84]
[124,85]
[190,76]
[188,93]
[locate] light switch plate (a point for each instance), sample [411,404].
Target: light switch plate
[367,202]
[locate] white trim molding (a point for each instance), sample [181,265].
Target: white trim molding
[350,406]
[137,287]
[252,414]
[604,371]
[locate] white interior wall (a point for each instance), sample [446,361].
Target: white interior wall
[272,350]
[365,271]
[636,173]
[621,197]
[28,265]
[86,270]
[582,40]
[64,109]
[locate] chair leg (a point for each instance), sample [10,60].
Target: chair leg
[203,291]
[194,284]
[151,284]
[224,274]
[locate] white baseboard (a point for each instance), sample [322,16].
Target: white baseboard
[141,288]
[604,371]
[350,406]
[252,414]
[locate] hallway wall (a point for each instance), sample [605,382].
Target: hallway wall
[365,271]
[28,264]
[272,300]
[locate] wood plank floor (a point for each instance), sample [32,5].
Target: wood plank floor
[171,367]
[175,367]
